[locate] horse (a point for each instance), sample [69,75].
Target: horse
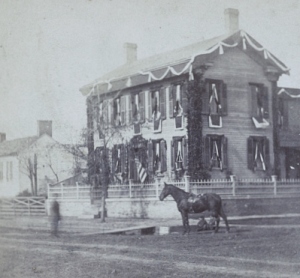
[191,203]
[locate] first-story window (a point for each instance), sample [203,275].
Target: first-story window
[258,153]
[1,171]
[215,147]
[119,163]
[179,155]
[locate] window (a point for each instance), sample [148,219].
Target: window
[178,103]
[119,108]
[157,108]
[215,147]
[179,155]
[1,171]
[282,113]
[9,170]
[137,111]
[104,113]
[157,155]
[258,153]
[119,154]
[260,105]
[215,102]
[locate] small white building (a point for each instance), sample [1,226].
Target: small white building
[54,162]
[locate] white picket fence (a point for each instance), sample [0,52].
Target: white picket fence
[228,188]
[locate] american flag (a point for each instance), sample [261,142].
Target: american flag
[141,171]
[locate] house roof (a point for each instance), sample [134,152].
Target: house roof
[157,67]
[289,92]
[13,147]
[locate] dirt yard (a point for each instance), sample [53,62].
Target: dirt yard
[251,249]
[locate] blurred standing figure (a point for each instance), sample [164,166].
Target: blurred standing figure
[55,216]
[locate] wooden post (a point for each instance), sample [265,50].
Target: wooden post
[233,181]
[130,193]
[61,190]
[28,201]
[274,180]
[187,183]
[157,182]
[77,191]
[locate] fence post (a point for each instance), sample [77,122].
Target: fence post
[61,191]
[233,181]
[28,201]
[187,183]
[130,193]
[157,182]
[48,190]
[274,180]
[77,191]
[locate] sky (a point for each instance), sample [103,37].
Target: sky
[49,49]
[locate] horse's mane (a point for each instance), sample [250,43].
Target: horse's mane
[179,189]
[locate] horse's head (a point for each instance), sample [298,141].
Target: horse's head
[165,192]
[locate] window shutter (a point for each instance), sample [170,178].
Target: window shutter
[207,154]
[224,99]
[123,109]
[162,103]
[250,152]
[132,109]
[185,153]
[224,152]
[184,98]
[113,159]
[205,99]
[123,158]
[172,92]
[172,155]
[265,102]
[150,157]
[163,155]
[142,106]
[253,101]
[267,152]
[149,105]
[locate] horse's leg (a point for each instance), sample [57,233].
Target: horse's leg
[187,222]
[223,215]
[183,216]
[215,215]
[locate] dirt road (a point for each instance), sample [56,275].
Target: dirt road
[248,251]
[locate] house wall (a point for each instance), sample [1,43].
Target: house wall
[237,125]
[9,183]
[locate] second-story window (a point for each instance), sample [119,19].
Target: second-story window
[119,111]
[178,103]
[215,102]
[157,108]
[260,105]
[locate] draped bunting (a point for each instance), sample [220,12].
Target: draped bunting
[287,93]
[189,68]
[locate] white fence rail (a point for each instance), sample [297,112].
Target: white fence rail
[227,188]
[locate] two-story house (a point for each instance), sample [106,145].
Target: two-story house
[205,106]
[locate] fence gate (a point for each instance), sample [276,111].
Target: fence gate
[23,206]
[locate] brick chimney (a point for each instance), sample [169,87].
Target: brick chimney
[130,52]
[45,127]
[2,137]
[231,20]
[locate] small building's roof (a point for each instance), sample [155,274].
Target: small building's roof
[13,147]
[159,66]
